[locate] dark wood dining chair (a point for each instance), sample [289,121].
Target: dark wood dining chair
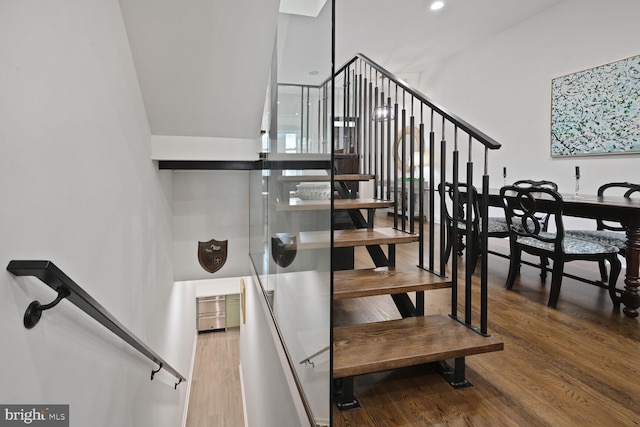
[501,229]
[497,227]
[611,233]
[543,217]
[523,207]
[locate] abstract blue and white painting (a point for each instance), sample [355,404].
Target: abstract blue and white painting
[597,111]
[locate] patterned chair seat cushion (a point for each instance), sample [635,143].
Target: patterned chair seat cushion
[571,245]
[612,238]
[498,225]
[495,225]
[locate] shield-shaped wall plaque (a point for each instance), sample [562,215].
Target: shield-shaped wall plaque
[212,254]
[284,249]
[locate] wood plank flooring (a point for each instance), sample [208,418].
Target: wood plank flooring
[577,365]
[216,396]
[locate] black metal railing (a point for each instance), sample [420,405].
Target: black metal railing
[401,137]
[396,129]
[66,288]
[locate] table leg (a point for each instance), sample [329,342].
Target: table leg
[630,297]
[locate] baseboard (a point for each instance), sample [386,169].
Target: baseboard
[188,383]
[244,400]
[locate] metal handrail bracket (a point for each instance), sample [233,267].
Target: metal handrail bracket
[309,360]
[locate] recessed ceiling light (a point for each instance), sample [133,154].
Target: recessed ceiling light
[313,73]
[437,5]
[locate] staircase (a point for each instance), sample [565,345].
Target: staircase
[388,147]
[392,141]
[415,339]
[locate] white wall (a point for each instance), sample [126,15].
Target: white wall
[165,147]
[78,187]
[271,397]
[210,205]
[203,65]
[503,87]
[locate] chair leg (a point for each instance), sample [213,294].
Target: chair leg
[616,266]
[544,262]
[447,251]
[474,248]
[556,282]
[461,245]
[603,271]
[514,266]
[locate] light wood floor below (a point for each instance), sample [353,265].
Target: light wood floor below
[216,396]
[577,365]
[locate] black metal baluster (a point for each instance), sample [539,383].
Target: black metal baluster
[370,123]
[365,121]
[345,109]
[357,105]
[432,209]
[375,138]
[454,229]
[389,144]
[421,212]
[484,213]
[412,193]
[470,254]
[443,212]
[420,294]
[383,119]
[403,196]
[395,161]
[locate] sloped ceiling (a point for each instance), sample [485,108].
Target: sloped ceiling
[202,65]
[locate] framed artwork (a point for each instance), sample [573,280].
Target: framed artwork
[597,111]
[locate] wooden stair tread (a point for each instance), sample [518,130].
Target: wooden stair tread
[307,239]
[352,177]
[304,178]
[380,346]
[296,204]
[384,281]
[327,178]
[371,236]
[364,203]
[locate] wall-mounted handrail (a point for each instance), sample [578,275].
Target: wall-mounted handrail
[309,359]
[66,288]
[480,136]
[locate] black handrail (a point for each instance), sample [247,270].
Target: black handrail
[480,136]
[57,280]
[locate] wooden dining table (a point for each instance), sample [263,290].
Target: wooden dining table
[621,209]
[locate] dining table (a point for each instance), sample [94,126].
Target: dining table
[612,208]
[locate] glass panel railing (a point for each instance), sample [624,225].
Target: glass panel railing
[290,249]
[290,240]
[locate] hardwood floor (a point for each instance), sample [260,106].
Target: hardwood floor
[577,365]
[216,396]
